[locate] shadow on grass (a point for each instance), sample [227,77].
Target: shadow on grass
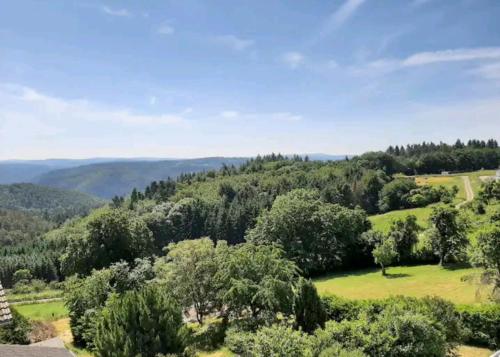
[456,266]
[396,276]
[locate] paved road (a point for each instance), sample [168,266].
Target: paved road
[468,191]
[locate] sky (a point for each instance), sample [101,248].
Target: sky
[197,78]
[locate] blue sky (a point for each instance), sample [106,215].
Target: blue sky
[193,78]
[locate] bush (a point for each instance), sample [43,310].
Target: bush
[482,324]
[143,323]
[391,333]
[308,309]
[17,332]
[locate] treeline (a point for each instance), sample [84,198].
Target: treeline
[429,158]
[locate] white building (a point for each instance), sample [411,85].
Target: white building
[5,315]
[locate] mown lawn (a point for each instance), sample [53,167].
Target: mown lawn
[382,222]
[47,311]
[419,281]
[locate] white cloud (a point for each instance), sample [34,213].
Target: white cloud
[285,116]
[165,29]
[388,65]
[462,54]
[234,42]
[116,12]
[153,100]
[341,15]
[293,59]
[53,108]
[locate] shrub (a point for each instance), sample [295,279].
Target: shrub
[308,309]
[143,323]
[482,324]
[17,331]
[388,334]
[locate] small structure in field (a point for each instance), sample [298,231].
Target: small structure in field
[445,173]
[5,314]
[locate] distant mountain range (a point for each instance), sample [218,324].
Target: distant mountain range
[107,177]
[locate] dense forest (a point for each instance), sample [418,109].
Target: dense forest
[241,242]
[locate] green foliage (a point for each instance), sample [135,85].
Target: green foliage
[308,307]
[190,273]
[440,314]
[257,279]
[405,235]
[139,323]
[22,274]
[448,237]
[481,324]
[110,235]
[17,331]
[279,341]
[388,334]
[385,253]
[431,158]
[490,191]
[208,336]
[85,297]
[19,227]
[488,250]
[50,203]
[315,235]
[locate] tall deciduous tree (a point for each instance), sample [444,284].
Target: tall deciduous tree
[190,272]
[258,279]
[315,235]
[448,237]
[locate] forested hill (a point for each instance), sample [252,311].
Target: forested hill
[428,157]
[53,204]
[119,178]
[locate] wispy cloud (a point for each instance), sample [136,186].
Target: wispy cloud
[51,109]
[387,65]
[293,59]
[165,29]
[340,16]
[463,54]
[116,12]
[233,42]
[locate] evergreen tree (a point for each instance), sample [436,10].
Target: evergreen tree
[308,307]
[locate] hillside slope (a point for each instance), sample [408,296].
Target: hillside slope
[119,178]
[52,203]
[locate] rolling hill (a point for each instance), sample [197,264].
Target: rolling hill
[119,178]
[52,203]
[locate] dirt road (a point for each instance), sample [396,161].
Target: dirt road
[468,191]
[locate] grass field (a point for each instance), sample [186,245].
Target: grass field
[46,294]
[415,281]
[382,222]
[47,311]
